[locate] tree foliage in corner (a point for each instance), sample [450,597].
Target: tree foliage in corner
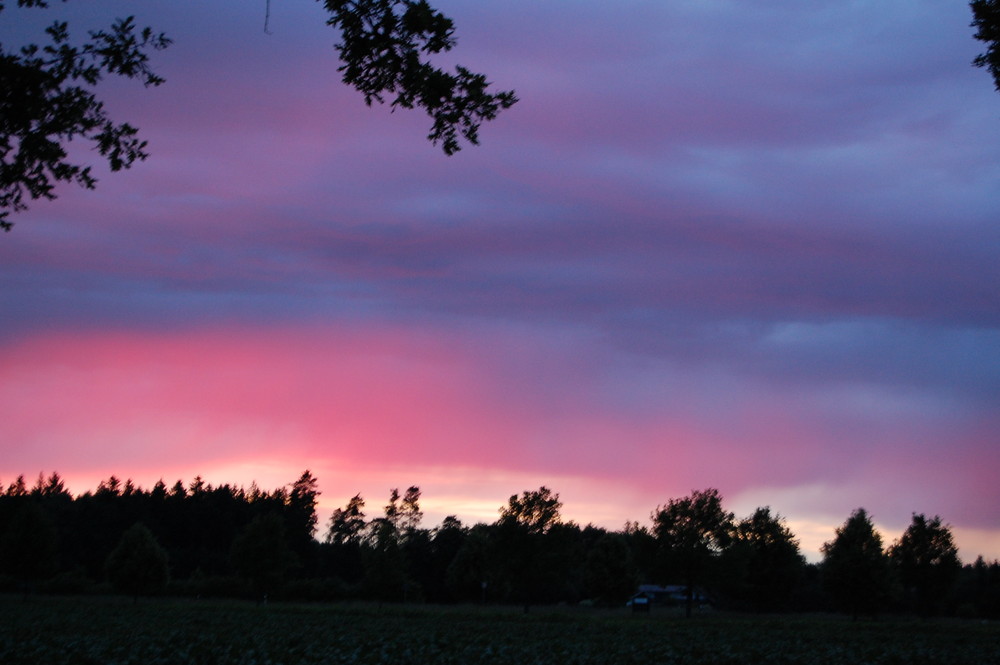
[47,99]
[47,91]
[384,46]
[986,20]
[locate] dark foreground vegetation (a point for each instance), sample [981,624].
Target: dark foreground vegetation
[116,630]
[200,541]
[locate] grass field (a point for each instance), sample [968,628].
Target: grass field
[114,630]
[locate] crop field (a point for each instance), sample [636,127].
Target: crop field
[117,631]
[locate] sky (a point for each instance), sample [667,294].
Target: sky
[749,245]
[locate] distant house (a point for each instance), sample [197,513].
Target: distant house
[669,595]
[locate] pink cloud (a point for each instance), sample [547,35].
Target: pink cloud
[702,251]
[382,404]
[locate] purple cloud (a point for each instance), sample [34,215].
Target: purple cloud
[748,246]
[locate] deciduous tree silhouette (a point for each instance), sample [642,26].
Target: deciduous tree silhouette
[692,532]
[610,571]
[446,542]
[520,562]
[855,568]
[980,588]
[536,511]
[470,576]
[138,565]
[384,563]
[763,561]
[927,560]
[261,555]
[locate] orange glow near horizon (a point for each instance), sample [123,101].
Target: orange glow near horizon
[369,409]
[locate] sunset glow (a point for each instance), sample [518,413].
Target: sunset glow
[746,247]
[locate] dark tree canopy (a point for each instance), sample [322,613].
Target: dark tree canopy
[986,20]
[48,98]
[302,499]
[521,567]
[260,553]
[927,560]
[409,513]
[346,524]
[535,511]
[138,565]
[692,531]
[764,558]
[469,571]
[855,567]
[610,572]
[384,563]
[224,541]
[28,546]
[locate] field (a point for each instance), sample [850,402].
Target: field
[116,631]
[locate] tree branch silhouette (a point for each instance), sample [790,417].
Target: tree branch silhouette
[48,98]
[986,20]
[384,45]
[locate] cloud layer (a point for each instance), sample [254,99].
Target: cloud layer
[742,245]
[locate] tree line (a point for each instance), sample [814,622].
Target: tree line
[230,541]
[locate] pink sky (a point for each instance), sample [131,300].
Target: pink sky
[746,246]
